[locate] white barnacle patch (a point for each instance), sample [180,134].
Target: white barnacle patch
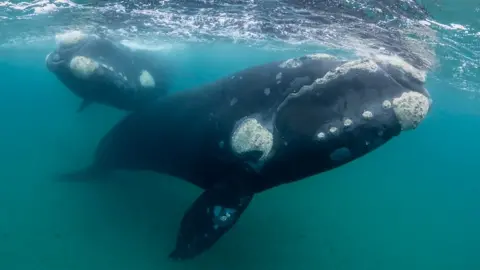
[320,56]
[410,109]
[398,63]
[347,122]
[291,63]
[266,91]
[251,136]
[386,104]
[70,38]
[146,80]
[362,64]
[367,115]
[83,67]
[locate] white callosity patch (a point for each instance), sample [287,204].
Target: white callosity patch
[410,109]
[70,38]
[397,63]
[321,135]
[250,136]
[83,67]
[146,80]
[333,130]
[386,104]
[320,56]
[266,91]
[347,122]
[367,115]
[291,63]
[363,64]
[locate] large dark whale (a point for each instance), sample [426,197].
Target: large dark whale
[100,70]
[260,128]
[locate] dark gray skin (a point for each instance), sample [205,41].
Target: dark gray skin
[189,135]
[118,87]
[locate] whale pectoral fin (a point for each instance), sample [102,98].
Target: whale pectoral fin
[208,218]
[82,175]
[85,103]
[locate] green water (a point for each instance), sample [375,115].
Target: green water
[412,204]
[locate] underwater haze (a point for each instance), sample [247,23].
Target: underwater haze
[411,204]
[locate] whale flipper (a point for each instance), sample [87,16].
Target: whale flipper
[85,103]
[208,218]
[82,175]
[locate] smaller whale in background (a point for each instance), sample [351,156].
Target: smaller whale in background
[260,128]
[99,70]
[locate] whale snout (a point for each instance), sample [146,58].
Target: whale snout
[68,45]
[53,61]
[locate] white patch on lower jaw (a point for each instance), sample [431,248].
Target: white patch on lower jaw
[398,63]
[70,38]
[291,63]
[410,109]
[249,136]
[83,67]
[146,80]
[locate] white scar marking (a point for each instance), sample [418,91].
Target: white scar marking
[250,136]
[411,108]
[266,91]
[83,67]
[146,80]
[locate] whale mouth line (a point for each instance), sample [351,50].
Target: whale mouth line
[54,58]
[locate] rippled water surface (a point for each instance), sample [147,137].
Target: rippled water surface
[412,204]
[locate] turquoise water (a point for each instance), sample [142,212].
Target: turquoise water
[412,204]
